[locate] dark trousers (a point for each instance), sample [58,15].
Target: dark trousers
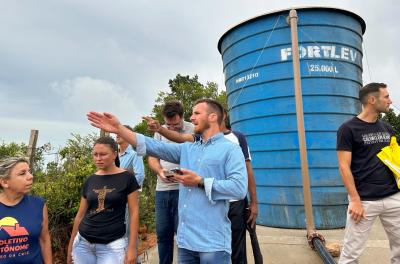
[166,223]
[237,216]
[186,256]
[258,258]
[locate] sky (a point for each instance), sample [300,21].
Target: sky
[61,59]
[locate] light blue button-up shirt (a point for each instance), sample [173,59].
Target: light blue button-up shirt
[129,160]
[204,225]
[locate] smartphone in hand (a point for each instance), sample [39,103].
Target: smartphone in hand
[177,171]
[170,173]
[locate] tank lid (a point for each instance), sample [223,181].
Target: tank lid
[354,15]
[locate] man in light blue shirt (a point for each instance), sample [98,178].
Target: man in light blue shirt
[213,172]
[129,159]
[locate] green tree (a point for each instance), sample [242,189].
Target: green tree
[393,120]
[187,90]
[13,149]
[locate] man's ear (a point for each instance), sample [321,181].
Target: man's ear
[371,99]
[213,117]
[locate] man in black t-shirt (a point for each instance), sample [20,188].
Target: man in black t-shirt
[371,186]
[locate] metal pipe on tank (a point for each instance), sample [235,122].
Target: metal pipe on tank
[315,240]
[300,123]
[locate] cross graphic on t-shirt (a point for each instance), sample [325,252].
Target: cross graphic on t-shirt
[102,197]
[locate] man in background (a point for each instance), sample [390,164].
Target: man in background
[130,161]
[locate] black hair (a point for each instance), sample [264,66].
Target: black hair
[227,119]
[107,140]
[172,108]
[129,127]
[369,89]
[214,107]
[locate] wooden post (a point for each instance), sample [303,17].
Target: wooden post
[104,133]
[32,145]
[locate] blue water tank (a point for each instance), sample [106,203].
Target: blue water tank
[257,59]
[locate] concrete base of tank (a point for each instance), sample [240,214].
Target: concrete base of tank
[287,246]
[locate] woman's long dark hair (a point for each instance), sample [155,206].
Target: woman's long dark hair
[107,140]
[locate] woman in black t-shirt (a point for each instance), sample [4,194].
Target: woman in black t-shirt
[98,235]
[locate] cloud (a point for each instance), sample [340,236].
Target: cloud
[83,94]
[55,132]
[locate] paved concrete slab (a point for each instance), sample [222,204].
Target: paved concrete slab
[289,246]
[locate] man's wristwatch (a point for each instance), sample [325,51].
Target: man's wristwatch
[201,183]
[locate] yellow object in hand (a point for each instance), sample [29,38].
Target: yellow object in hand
[390,155]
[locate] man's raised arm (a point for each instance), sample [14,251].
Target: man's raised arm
[172,135]
[110,123]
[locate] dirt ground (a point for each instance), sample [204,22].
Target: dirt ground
[149,242]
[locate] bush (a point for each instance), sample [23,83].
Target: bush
[61,184]
[147,199]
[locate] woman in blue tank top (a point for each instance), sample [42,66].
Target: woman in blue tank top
[24,231]
[98,235]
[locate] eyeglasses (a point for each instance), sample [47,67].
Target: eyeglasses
[174,125]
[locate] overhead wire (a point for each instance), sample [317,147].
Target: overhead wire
[256,63]
[366,60]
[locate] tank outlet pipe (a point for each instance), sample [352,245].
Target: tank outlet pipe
[315,240]
[318,244]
